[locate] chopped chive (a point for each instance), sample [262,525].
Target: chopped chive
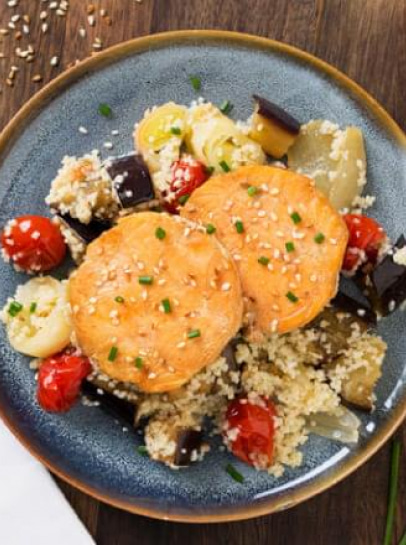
[295,217]
[14,308]
[33,308]
[224,166]
[263,260]
[292,297]
[393,491]
[145,280]
[105,110]
[138,363]
[234,474]
[319,238]
[252,190]
[193,334]
[176,130]
[183,199]
[210,170]
[226,107]
[160,233]
[119,299]
[239,226]
[166,304]
[290,247]
[196,82]
[210,229]
[142,449]
[113,353]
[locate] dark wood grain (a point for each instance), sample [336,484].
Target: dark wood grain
[365,39]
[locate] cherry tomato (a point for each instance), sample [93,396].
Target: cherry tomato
[59,380]
[187,175]
[366,237]
[33,243]
[250,431]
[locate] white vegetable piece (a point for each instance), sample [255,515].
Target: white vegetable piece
[43,326]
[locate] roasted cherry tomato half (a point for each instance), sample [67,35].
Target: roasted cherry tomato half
[33,243]
[250,430]
[59,380]
[187,175]
[366,238]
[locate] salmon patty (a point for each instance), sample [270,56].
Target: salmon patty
[285,237]
[155,301]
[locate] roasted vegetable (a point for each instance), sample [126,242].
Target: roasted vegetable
[187,441]
[341,426]
[358,370]
[387,282]
[160,127]
[131,180]
[86,232]
[119,408]
[334,158]
[343,301]
[273,128]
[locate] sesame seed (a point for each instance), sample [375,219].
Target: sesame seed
[54,61]
[226,286]
[182,344]
[313,278]
[274,191]
[83,130]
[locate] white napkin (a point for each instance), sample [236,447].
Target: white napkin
[33,511]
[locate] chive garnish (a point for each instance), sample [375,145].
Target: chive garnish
[290,247]
[319,238]
[183,199]
[142,449]
[160,233]
[234,474]
[193,334]
[252,190]
[33,308]
[226,107]
[113,353]
[210,229]
[119,299]
[239,226]
[176,130]
[393,491]
[14,308]
[145,280]
[196,82]
[403,540]
[263,260]
[166,305]
[105,110]
[295,217]
[224,166]
[138,363]
[292,297]
[210,170]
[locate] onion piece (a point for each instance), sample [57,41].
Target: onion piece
[341,426]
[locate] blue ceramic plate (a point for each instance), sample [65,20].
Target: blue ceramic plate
[87,447]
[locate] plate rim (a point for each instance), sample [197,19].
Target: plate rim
[40,100]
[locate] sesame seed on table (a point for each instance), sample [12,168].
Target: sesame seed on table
[40,39]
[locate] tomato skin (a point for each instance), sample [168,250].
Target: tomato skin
[187,175]
[254,422]
[59,380]
[366,237]
[33,243]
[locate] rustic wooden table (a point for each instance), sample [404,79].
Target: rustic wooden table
[365,39]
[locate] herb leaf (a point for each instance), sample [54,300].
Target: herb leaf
[105,110]
[196,82]
[226,107]
[234,474]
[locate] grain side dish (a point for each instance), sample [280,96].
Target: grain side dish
[209,293]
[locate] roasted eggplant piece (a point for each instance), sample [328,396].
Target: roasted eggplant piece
[273,128]
[359,369]
[86,232]
[229,354]
[386,287]
[187,441]
[346,303]
[131,180]
[119,408]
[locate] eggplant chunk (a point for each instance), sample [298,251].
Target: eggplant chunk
[358,369]
[387,285]
[346,303]
[111,404]
[86,232]
[131,180]
[187,441]
[273,128]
